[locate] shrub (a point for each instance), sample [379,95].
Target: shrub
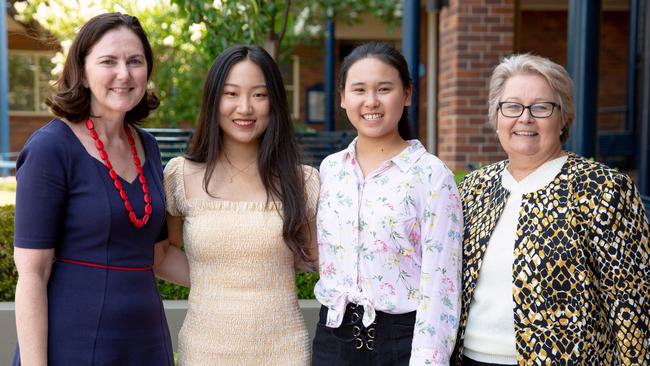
[8,276]
[170,291]
[305,283]
[458,176]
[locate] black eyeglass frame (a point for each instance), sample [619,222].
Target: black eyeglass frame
[524,107]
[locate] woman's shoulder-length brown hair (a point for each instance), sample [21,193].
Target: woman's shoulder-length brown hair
[71,99]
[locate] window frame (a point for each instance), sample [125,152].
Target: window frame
[294,87]
[37,82]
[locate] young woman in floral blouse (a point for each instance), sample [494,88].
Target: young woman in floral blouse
[389,230]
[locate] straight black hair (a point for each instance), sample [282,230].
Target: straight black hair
[279,156]
[390,56]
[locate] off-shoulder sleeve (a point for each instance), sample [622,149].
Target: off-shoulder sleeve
[174,191]
[41,192]
[312,187]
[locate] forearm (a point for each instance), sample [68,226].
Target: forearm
[31,319]
[173,267]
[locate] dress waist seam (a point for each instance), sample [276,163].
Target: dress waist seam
[103,266]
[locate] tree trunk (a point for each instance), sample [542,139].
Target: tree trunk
[272,46]
[273,39]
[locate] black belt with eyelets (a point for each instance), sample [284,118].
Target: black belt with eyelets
[362,336]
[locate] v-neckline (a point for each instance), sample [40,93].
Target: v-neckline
[79,144]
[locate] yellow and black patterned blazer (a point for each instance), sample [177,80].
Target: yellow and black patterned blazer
[581,275]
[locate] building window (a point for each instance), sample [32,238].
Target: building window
[291,77]
[29,77]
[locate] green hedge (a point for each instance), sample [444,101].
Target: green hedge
[8,274]
[304,281]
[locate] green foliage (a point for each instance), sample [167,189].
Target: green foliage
[8,274]
[458,176]
[179,69]
[186,35]
[224,23]
[305,283]
[179,66]
[170,291]
[229,22]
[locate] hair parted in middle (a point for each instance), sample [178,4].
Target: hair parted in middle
[279,160]
[390,56]
[526,64]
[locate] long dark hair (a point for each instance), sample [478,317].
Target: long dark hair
[279,157]
[390,56]
[71,99]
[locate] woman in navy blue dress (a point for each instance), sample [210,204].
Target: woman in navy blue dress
[89,210]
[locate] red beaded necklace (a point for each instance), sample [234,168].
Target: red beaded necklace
[138,223]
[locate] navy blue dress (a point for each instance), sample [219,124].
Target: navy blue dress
[66,200]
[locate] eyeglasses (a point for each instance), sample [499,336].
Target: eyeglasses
[537,110]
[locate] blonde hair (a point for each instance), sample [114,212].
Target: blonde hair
[555,75]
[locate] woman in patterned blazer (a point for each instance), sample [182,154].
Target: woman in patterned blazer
[556,246]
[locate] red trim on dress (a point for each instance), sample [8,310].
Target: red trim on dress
[97,265]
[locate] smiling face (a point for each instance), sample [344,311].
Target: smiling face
[115,71]
[374,98]
[528,140]
[244,106]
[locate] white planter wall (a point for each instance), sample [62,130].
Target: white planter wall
[174,310]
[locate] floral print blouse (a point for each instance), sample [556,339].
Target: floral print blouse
[391,241]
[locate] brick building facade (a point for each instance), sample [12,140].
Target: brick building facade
[473,36]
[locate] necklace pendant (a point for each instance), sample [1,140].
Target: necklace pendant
[237,170]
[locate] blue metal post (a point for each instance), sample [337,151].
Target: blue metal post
[643,161]
[330,81]
[630,110]
[4,87]
[582,64]
[411,50]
